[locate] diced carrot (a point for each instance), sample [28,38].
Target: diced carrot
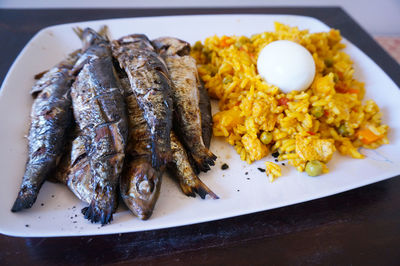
[367,136]
[223,42]
[355,91]
[311,133]
[326,112]
[341,87]
[283,101]
[340,75]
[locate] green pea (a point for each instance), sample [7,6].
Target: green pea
[317,111]
[266,137]
[342,130]
[227,79]
[335,77]
[242,40]
[328,62]
[314,168]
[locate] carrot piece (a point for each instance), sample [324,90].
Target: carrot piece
[367,136]
[355,91]
[283,101]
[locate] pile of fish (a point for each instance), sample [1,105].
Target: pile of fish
[110,119]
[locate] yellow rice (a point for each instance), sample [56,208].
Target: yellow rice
[249,106]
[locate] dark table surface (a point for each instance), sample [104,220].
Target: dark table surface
[361,226]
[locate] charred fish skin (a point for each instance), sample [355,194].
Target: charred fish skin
[74,170]
[140,182]
[51,116]
[206,116]
[181,169]
[149,80]
[187,123]
[99,110]
[206,122]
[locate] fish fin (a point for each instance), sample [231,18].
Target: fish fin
[26,198]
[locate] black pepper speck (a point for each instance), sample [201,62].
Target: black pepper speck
[283,164]
[27,225]
[224,166]
[275,154]
[262,170]
[246,173]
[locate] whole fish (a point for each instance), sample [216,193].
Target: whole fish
[181,169]
[140,183]
[51,116]
[187,123]
[99,111]
[149,80]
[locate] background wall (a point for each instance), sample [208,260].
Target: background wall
[378,17]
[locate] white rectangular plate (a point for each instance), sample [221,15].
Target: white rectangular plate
[57,212]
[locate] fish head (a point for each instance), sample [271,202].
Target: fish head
[140,187]
[139,41]
[90,37]
[171,46]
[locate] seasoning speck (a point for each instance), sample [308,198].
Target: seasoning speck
[238,190]
[246,173]
[224,166]
[276,160]
[41,204]
[275,154]
[52,196]
[248,178]
[262,170]
[283,164]
[27,225]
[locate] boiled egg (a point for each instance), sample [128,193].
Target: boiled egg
[287,65]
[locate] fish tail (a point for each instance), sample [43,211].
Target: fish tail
[78,31]
[101,210]
[199,187]
[204,159]
[25,199]
[104,32]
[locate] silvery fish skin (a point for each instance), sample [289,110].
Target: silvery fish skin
[187,117]
[51,116]
[149,80]
[74,170]
[99,111]
[140,183]
[181,169]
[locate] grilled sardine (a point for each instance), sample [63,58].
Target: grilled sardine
[99,111]
[187,117]
[51,116]
[140,183]
[149,80]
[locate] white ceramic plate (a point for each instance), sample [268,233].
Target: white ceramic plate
[57,212]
